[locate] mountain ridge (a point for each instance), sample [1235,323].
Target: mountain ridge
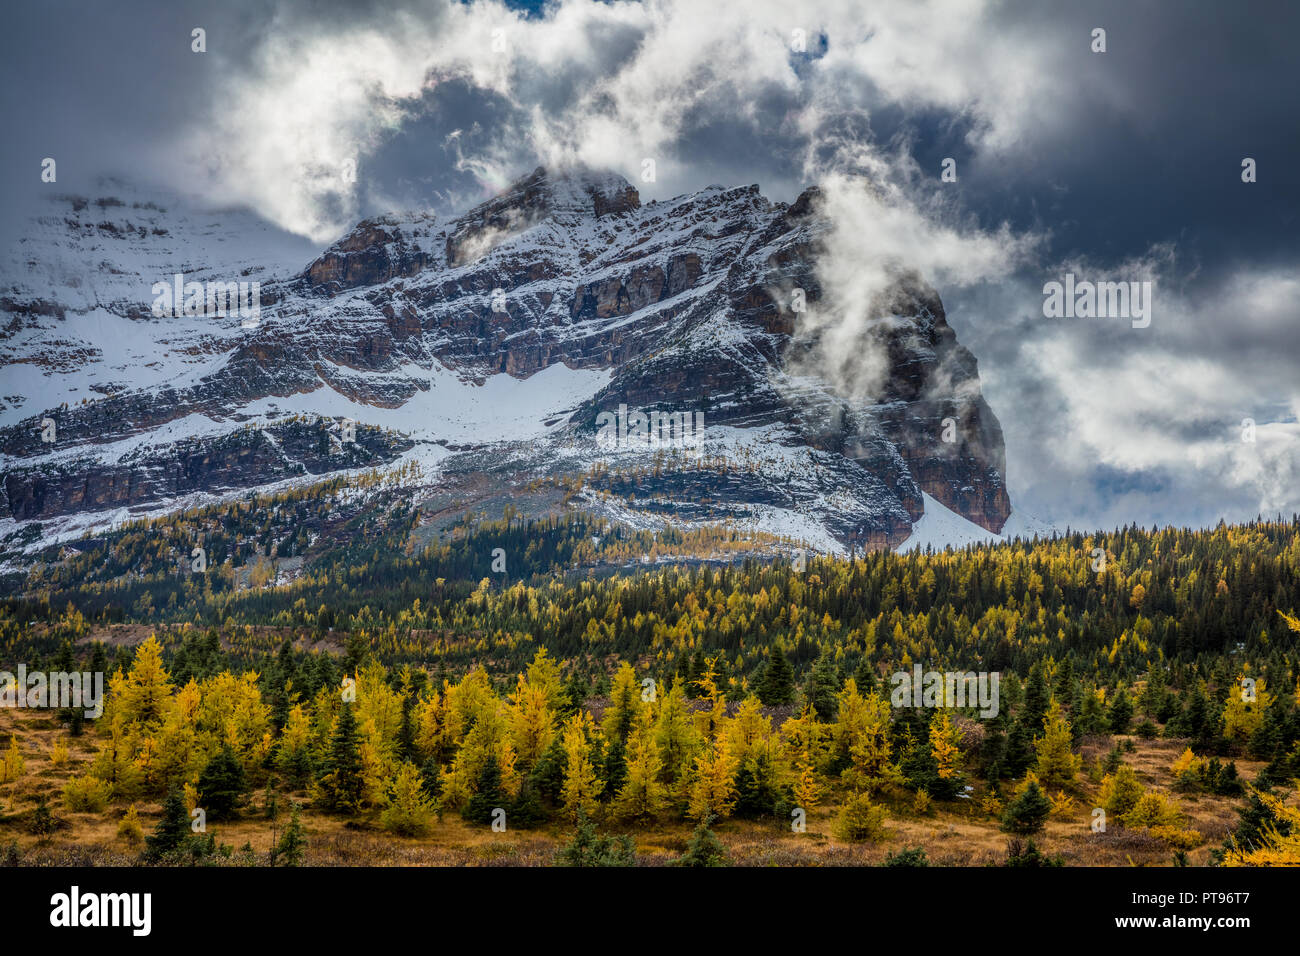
[674,306]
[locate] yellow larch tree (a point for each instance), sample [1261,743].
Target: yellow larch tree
[643,795]
[713,791]
[1057,763]
[860,734]
[581,785]
[944,746]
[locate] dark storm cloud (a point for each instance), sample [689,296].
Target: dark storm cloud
[1121,164]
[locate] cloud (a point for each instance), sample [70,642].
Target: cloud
[1110,425]
[602,84]
[1122,164]
[876,236]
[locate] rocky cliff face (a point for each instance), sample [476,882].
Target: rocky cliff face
[487,348]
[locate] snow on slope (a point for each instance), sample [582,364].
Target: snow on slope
[941,528]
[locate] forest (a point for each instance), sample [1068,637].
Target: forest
[605,710]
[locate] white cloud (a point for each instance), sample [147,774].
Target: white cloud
[605,84]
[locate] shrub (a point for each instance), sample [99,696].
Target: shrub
[1030,855]
[1176,837]
[86,794]
[587,848]
[129,829]
[1152,810]
[43,822]
[1120,791]
[860,820]
[912,856]
[705,849]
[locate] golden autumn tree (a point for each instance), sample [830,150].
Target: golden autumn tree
[175,755]
[1273,847]
[140,696]
[807,791]
[534,705]
[581,785]
[12,766]
[1057,763]
[677,740]
[407,808]
[713,790]
[643,795]
[860,735]
[487,740]
[379,718]
[944,747]
[1243,711]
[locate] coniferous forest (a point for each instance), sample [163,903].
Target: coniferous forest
[333,687]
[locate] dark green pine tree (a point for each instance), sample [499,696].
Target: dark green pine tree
[358,650]
[614,769]
[292,847]
[341,785]
[222,785]
[1120,714]
[1037,700]
[822,687]
[173,829]
[1018,755]
[406,732]
[588,848]
[757,796]
[865,676]
[487,794]
[1063,687]
[705,849]
[1254,817]
[1028,812]
[778,681]
[43,823]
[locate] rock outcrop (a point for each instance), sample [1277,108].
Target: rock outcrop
[681,306]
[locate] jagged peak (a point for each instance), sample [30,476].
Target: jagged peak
[575,188]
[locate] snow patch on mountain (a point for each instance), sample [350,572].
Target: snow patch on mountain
[941,528]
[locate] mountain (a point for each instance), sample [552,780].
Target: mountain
[508,352]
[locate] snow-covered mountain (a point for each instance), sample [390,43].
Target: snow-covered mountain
[508,352]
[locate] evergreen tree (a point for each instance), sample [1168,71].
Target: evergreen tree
[822,688]
[1121,712]
[173,829]
[587,848]
[1037,698]
[43,823]
[222,785]
[292,846]
[865,676]
[342,784]
[1028,812]
[705,849]
[488,795]
[778,681]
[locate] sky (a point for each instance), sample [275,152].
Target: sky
[1122,165]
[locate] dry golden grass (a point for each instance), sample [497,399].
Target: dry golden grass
[956,833]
